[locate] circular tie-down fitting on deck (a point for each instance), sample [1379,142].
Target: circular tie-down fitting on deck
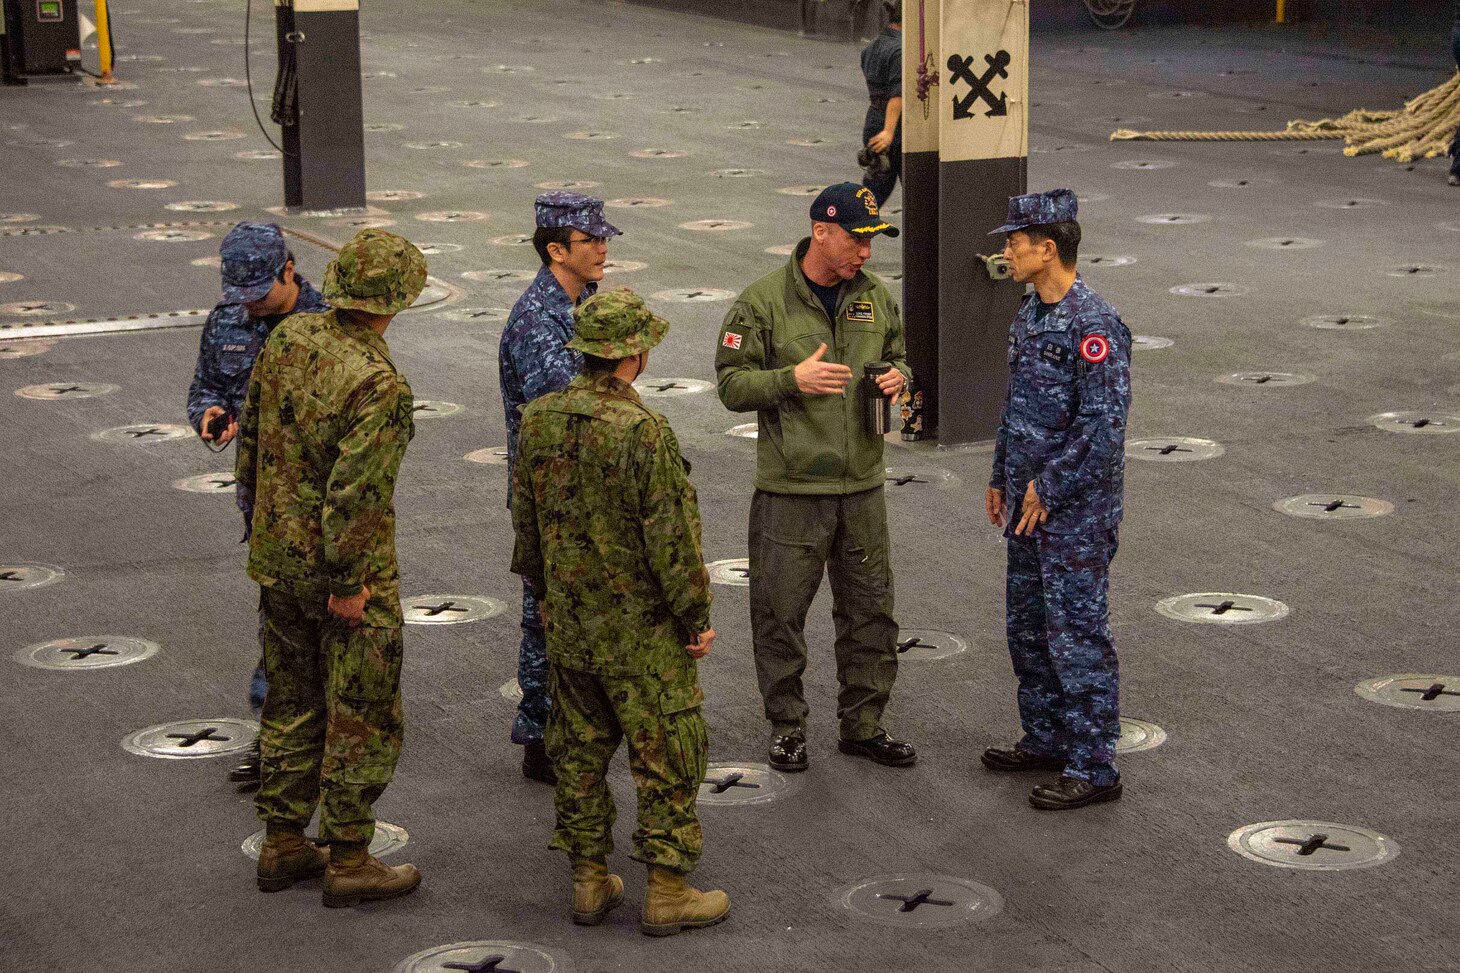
[224,483]
[432,144]
[14,231]
[86,652]
[454,216]
[1146,342]
[434,409]
[731,570]
[57,391]
[497,164]
[1422,691]
[899,479]
[393,195]
[782,249]
[1222,608]
[1210,289]
[488,456]
[192,739]
[573,184]
[919,900]
[202,206]
[1138,735]
[1263,380]
[1174,219]
[24,349]
[738,784]
[484,956]
[173,236]
[591,136]
[37,308]
[1343,322]
[215,135]
[1144,165]
[1109,260]
[1173,449]
[812,142]
[436,249]
[1417,423]
[666,388]
[499,275]
[746,430]
[638,202]
[476,315]
[736,173]
[1244,182]
[435,292]
[513,240]
[928,645]
[449,609]
[144,433]
[1416,270]
[24,577]
[1350,203]
[658,154]
[1284,243]
[800,190]
[387,840]
[622,266]
[715,226]
[511,690]
[1333,506]
[692,295]
[1322,846]
[382,127]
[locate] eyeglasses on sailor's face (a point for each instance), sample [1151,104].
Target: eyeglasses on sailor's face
[592,241]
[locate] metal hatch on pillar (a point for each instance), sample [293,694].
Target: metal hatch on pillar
[318,101]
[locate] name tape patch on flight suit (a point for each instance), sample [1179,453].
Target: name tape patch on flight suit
[860,311]
[1056,354]
[732,340]
[1095,349]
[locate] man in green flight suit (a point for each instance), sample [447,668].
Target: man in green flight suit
[790,346]
[324,430]
[608,538]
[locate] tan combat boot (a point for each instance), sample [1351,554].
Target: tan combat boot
[287,857]
[357,876]
[672,905]
[595,891]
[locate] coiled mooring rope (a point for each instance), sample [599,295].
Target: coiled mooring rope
[1422,129]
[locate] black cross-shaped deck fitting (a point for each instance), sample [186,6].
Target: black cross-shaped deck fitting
[1215,289]
[672,385]
[1421,423]
[1168,450]
[729,781]
[1312,844]
[150,431]
[905,480]
[422,408]
[712,224]
[86,653]
[1224,607]
[433,610]
[1332,505]
[205,735]
[1258,379]
[63,389]
[911,902]
[223,481]
[913,643]
[10,576]
[1433,693]
[743,572]
[487,965]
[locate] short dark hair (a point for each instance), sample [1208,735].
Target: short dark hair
[1066,237]
[894,11]
[593,365]
[288,259]
[544,235]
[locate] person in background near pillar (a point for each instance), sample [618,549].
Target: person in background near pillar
[260,288]
[1060,456]
[324,431]
[608,538]
[534,359]
[790,345]
[882,128]
[1454,179]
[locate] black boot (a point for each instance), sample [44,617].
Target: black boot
[1068,793]
[246,773]
[536,765]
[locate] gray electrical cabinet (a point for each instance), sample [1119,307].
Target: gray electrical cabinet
[41,36]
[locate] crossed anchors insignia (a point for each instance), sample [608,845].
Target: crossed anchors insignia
[960,69]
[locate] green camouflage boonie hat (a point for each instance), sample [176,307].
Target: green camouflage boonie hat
[616,324]
[376,272]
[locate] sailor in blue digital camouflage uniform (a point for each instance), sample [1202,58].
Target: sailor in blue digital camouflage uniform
[881,157]
[572,240]
[260,289]
[1058,479]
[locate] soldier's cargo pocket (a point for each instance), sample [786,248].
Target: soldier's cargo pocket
[365,662]
[687,737]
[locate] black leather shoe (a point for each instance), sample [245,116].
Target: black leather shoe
[1072,792]
[1012,760]
[246,773]
[536,765]
[788,754]
[881,749]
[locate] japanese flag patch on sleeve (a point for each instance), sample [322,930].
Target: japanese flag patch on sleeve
[1095,348]
[732,340]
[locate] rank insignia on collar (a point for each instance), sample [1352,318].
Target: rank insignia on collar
[860,311]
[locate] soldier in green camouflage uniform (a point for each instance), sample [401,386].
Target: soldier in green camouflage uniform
[324,430]
[608,533]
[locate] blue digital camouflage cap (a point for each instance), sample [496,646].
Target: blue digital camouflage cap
[1040,209]
[853,208]
[572,209]
[252,255]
